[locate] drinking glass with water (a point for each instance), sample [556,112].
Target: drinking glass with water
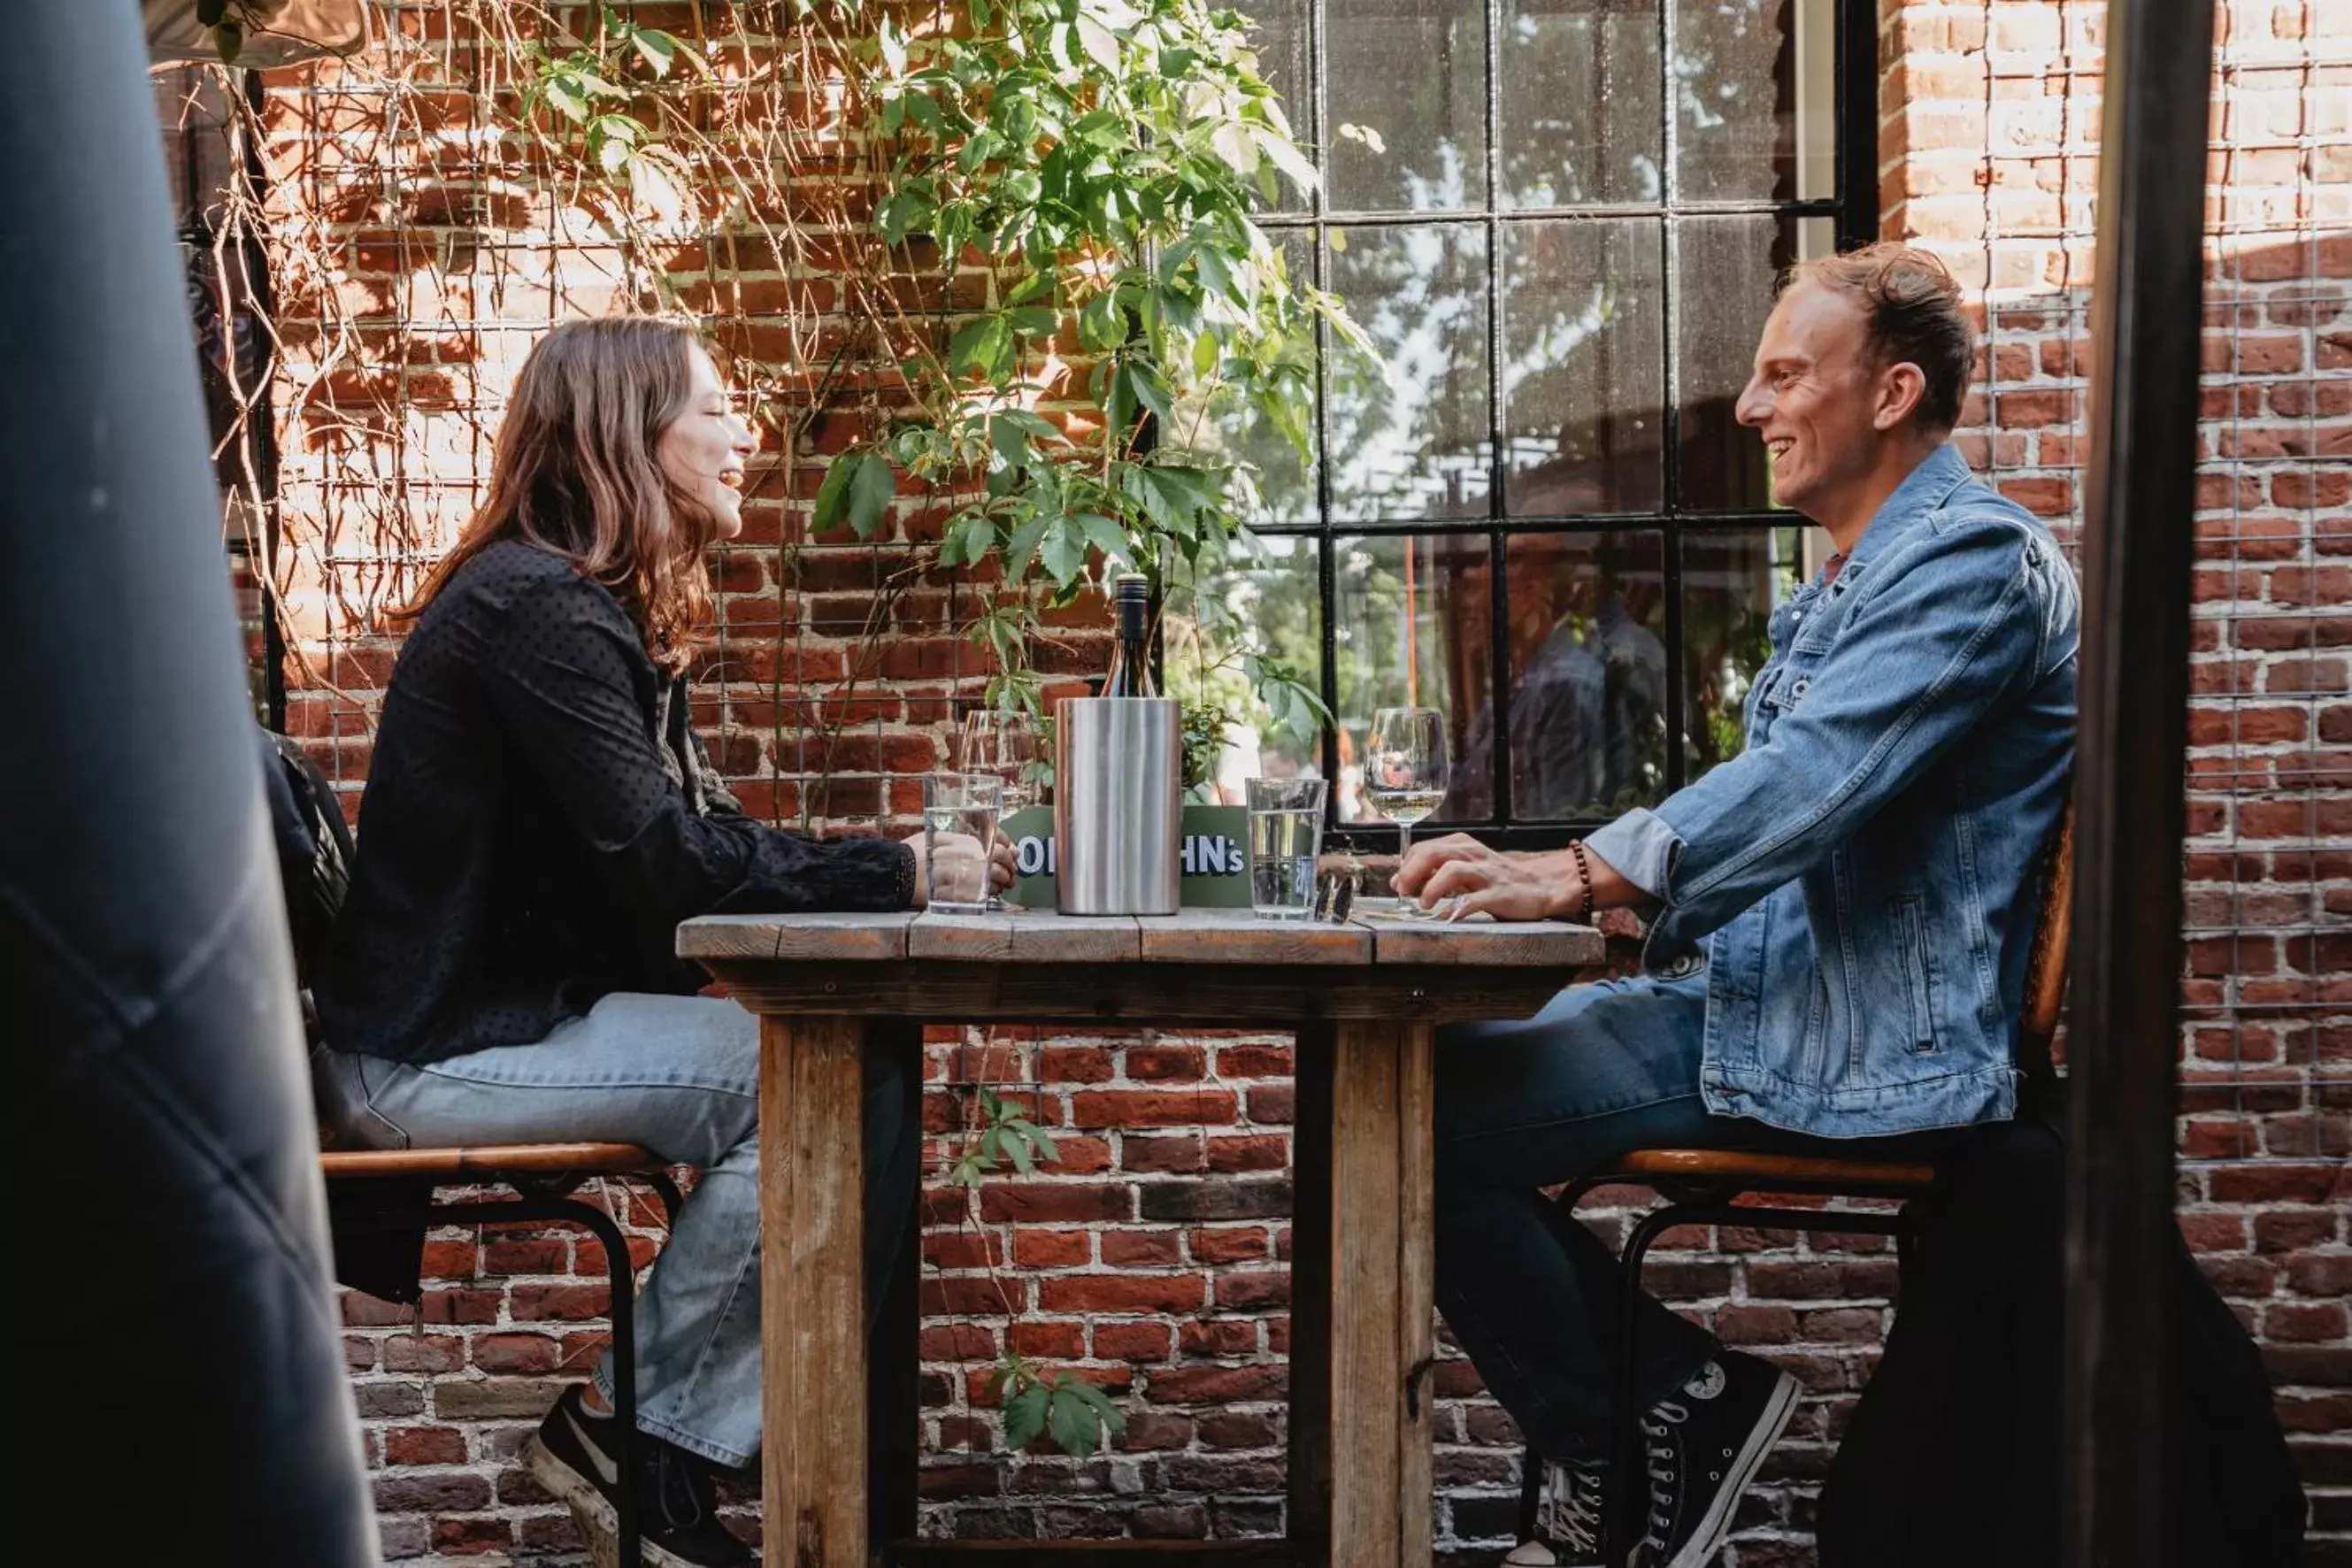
[959,817]
[1285,838]
[1006,746]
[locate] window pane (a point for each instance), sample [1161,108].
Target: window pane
[1408,426]
[1280,40]
[1584,366]
[1407,93]
[1726,265]
[1410,619]
[1581,120]
[1278,485]
[1264,600]
[1731,581]
[1588,689]
[1755,91]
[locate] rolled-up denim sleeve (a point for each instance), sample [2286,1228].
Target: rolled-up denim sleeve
[1956,625]
[1639,847]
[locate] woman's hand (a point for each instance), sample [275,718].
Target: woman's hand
[1507,887]
[960,862]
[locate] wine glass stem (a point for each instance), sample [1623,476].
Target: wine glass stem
[1404,847]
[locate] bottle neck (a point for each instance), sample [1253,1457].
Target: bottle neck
[1131,660]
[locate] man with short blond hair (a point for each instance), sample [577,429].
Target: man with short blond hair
[1840,917]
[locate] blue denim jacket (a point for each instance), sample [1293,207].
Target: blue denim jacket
[1864,875]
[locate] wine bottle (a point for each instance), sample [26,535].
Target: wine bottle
[1130,656]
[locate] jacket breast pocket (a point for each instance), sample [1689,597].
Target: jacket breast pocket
[1920,974]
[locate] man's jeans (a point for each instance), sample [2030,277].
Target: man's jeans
[680,1076]
[1532,1295]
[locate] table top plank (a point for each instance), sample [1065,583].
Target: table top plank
[854,937]
[1025,936]
[1224,937]
[1548,944]
[1237,936]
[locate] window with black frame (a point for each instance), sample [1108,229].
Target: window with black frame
[1532,508]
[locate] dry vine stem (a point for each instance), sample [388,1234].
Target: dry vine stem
[425,211]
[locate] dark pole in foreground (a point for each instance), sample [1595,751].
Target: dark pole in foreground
[2138,536]
[179,1363]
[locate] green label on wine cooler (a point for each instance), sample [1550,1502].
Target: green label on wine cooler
[1214,850]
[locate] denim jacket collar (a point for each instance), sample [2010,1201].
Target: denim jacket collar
[1923,489]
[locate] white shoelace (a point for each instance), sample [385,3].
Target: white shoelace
[1663,1470]
[1573,1511]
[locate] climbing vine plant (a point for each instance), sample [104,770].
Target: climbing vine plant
[1106,158]
[1043,299]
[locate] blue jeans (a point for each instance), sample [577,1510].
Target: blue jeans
[1532,1295]
[680,1076]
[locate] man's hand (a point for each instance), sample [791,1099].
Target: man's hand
[1507,887]
[959,867]
[1542,887]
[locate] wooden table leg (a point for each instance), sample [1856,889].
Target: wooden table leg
[1380,1294]
[812,1291]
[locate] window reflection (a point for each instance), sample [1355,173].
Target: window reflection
[1580,88]
[1731,581]
[1725,266]
[1584,366]
[1407,90]
[1756,99]
[1587,711]
[1274,484]
[1263,601]
[1409,618]
[1409,427]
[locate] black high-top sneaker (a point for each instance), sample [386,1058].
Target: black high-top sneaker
[575,1456]
[1568,1522]
[1700,1447]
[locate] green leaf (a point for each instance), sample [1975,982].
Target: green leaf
[871,491]
[1065,552]
[1284,156]
[651,184]
[228,42]
[1071,1423]
[1107,537]
[1033,1135]
[563,91]
[834,493]
[980,345]
[1008,441]
[1023,546]
[655,48]
[1150,387]
[1024,1416]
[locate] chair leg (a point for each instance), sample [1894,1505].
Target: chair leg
[1532,1475]
[666,1189]
[623,1275]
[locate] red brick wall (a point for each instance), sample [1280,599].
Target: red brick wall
[1154,1254]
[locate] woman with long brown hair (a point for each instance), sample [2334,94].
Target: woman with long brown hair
[538,818]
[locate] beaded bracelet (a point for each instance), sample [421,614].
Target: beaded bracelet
[1584,881]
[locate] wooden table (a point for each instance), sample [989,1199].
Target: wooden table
[1365,999]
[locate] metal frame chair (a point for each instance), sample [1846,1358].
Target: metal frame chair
[542,1176]
[1704,1186]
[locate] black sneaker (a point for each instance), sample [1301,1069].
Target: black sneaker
[1701,1446]
[574,1456]
[1568,1522]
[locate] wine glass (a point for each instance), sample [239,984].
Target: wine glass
[1405,774]
[1003,743]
